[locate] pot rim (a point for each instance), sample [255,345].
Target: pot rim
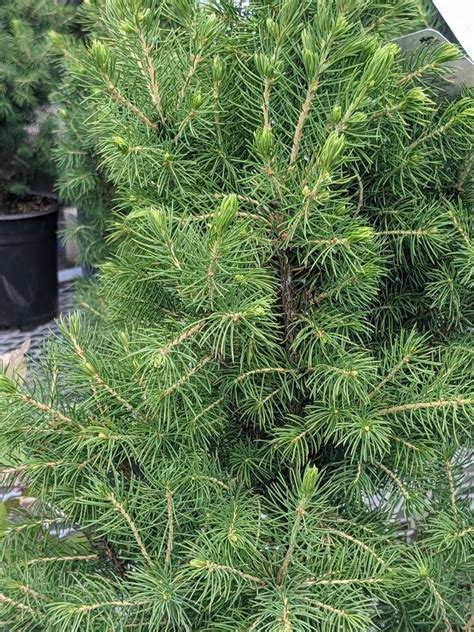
[12,217]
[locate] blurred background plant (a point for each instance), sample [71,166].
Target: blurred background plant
[28,73]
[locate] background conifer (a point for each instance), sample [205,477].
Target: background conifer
[27,77]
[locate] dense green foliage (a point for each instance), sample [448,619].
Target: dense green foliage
[27,76]
[277,363]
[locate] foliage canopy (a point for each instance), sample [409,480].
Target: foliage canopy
[277,360]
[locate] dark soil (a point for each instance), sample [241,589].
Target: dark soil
[24,204]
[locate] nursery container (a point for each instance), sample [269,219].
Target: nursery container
[28,268]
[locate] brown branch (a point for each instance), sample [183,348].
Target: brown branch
[170,512]
[119,98]
[404,492]
[464,173]
[459,228]
[441,403]
[452,489]
[405,360]
[118,506]
[65,558]
[16,604]
[154,88]
[211,566]
[266,104]
[298,135]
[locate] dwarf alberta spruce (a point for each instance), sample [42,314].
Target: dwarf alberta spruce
[276,365]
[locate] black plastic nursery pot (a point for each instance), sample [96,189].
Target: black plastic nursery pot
[28,268]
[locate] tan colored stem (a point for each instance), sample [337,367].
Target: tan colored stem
[305,110]
[186,377]
[65,558]
[119,98]
[362,545]
[170,512]
[211,566]
[266,104]
[405,360]
[16,604]
[404,492]
[441,403]
[118,506]
[452,489]
[153,82]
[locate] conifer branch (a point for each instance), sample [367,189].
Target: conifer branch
[441,403]
[208,409]
[464,173]
[263,371]
[118,506]
[404,492]
[417,74]
[97,378]
[457,225]
[344,582]
[212,566]
[185,335]
[342,614]
[452,489]
[131,107]
[266,104]
[46,523]
[286,620]
[359,543]
[44,408]
[418,232]
[110,604]
[440,603]
[170,513]
[390,375]
[152,80]
[299,512]
[211,479]
[16,604]
[27,590]
[360,185]
[62,558]
[305,110]
[406,443]
[186,377]
[195,62]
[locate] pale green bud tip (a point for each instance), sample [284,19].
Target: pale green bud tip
[331,150]
[336,114]
[264,141]
[126,27]
[423,571]
[141,17]
[259,311]
[264,65]
[229,207]
[217,69]
[310,479]
[100,53]
[120,142]
[56,39]
[197,101]
[310,62]
[380,64]
[198,563]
